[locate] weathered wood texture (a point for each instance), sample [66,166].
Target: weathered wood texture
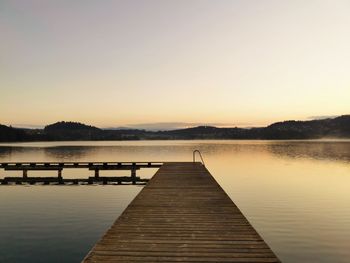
[182,215]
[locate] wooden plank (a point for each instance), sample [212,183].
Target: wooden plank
[182,215]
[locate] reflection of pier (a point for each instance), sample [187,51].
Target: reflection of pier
[181,215]
[25,167]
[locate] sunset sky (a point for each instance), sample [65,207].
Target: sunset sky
[116,63]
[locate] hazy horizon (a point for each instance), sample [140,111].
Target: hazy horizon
[157,126]
[116,63]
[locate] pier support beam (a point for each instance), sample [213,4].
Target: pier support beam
[4,181]
[25,174]
[97,173]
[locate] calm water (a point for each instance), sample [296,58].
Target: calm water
[295,193]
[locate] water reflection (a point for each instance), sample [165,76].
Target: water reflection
[295,193]
[333,151]
[5,151]
[68,153]
[119,151]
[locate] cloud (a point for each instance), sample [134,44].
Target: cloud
[27,126]
[322,117]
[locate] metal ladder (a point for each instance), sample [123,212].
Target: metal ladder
[200,155]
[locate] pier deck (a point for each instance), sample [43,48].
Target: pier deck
[182,215]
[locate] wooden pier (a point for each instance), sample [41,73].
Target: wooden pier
[95,167]
[182,215]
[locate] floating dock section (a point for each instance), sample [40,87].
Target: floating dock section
[96,167]
[181,215]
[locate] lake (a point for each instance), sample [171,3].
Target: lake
[295,193]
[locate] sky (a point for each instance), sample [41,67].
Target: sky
[119,63]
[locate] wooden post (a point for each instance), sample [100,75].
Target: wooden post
[60,179]
[133,175]
[25,174]
[97,173]
[60,174]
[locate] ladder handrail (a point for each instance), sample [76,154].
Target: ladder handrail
[200,155]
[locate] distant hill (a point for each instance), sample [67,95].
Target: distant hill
[71,131]
[338,127]
[69,125]
[9,134]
